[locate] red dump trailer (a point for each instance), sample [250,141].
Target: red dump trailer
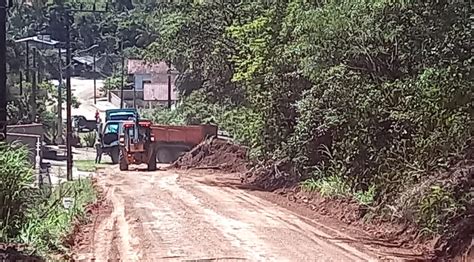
[173,141]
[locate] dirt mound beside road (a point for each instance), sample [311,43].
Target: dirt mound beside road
[215,153]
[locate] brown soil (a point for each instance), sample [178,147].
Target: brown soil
[13,252]
[271,176]
[348,216]
[274,183]
[83,230]
[199,215]
[215,154]
[456,244]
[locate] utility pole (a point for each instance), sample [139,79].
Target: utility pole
[21,83]
[33,88]
[68,101]
[39,68]
[27,44]
[134,97]
[3,70]
[60,98]
[95,84]
[169,84]
[122,75]
[68,83]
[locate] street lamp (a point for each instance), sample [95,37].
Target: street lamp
[44,41]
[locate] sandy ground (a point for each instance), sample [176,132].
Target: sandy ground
[174,216]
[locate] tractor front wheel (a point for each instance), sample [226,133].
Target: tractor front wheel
[115,155]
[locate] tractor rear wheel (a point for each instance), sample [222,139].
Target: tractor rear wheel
[152,162]
[164,156]
[123,162]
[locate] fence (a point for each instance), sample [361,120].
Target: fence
[30,136]
[114,98]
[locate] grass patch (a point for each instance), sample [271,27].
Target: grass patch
[335,186]
[332,186]
[16,176]
[49,222]
[86,165]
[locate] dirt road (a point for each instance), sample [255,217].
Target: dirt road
[83,90]
[165,216]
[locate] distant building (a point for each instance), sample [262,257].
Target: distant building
[106,65]
[152,80]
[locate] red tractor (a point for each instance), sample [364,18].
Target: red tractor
[137,145]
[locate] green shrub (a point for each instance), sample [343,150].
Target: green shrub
[50,222]
[366,197]
[89,139]
[163,116]
[437,207]
[16,178]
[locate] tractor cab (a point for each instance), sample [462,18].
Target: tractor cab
[137,144]
[134,135]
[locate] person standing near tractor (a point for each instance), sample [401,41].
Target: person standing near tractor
[98,151]
[98,141]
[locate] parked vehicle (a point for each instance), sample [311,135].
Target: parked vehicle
[137,145]
[121,114]
[81,124]
[109,139]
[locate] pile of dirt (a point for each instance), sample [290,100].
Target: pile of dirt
[13,252]
[271,176]
[215,153]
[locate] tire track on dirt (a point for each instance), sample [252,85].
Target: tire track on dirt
[168,228]
[164,216]
[268,216]
[238,234]
[127,241]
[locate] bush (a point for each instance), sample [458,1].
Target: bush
[16,177]
[89,139]
[436,207]
[111,83]
[50,222]
[163,116]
